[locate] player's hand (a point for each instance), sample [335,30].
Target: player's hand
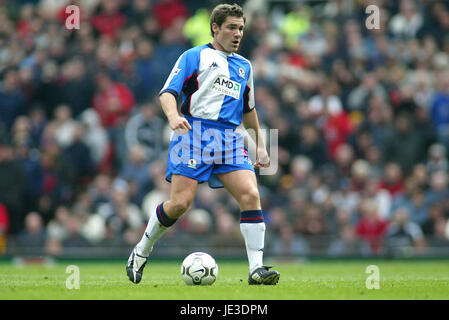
[262,160]
[180,125]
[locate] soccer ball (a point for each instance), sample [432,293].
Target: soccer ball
[199,268]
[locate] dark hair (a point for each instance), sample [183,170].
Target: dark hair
[222,11]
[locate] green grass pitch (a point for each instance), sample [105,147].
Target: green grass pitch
[335,280]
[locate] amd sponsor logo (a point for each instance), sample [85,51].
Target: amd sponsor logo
[227,86]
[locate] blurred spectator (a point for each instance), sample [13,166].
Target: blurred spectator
[437,159]
[12,188]
[344,198]
[34,235]
[20,131]
[109,19]
[374,158]
[30,162]
[438,190]
[4,226]
[171,45]
[346,244]
[371,228]
[77,165]
[311,145]
[378,122]
[360,174]
[439,109]
[435,219]
[95,137]
[381,196]
[144,67]
[57,227]
[370,87]
[197,27]
[225,224]
[441,238]
[94,229]
[326,101]
[336,129]
[74,237]
[167,11]
[78,88]
[145,129]
[120,215]
[38,121]
[136,170]
[158,194]
[403,234]
[418,207]
[361,140]
[311,225]
[420,176]
[113,101]
[405,147]
[99,190]
[140,9]
[425,127]
[199,221]
[311,222]
[344,157]
[48,93]
[281,235]
[295,23]
[12,100]
[408,21]
[53,185]
[64,126]
[392,180]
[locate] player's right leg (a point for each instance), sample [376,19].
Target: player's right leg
[182,192]
[242,185]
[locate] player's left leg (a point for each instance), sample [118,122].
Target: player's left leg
[242,185]
[182,192]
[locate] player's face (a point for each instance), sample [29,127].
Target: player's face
[229,35]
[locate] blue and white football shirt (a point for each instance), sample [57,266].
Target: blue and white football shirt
[216,89]
[214,85]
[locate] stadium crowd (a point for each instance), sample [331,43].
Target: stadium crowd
[362,118]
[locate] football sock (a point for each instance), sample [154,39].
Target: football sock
[158,223]
[252,227]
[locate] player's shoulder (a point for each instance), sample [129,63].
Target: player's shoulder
[196,50]
[241,58]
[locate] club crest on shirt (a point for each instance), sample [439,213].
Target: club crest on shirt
[242,72]
[192,163]
[246,157]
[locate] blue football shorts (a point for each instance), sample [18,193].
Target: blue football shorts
[209,148]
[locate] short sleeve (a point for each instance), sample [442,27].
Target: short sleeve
[185,67]
[248,94]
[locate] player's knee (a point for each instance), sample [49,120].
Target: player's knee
[180,206]
[250,198]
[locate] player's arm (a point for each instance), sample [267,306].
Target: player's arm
[183,68]
[251,121]
[177,123]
